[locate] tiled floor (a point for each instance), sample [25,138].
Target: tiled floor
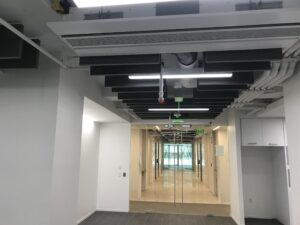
[194,191]
[110,218]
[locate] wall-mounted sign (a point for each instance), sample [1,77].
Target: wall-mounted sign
[220,150]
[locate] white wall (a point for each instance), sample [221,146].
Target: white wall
[258,190]
[88,178]
[265,184]
[292,112]
[41,121]
[114,156]
[236,184]
[74,85]
[28,101]
[281,187]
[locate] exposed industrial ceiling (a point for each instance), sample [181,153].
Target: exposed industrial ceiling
[259,49]
[216,94]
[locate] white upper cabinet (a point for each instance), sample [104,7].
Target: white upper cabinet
[252,132]
[262,132]
[273,132]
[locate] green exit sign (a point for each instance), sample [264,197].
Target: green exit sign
[178,99]
[177,121]
[199,131]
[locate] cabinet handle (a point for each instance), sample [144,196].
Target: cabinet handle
[273,144]
[253,143]
[289,178]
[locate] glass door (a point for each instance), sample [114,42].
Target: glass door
[178,162]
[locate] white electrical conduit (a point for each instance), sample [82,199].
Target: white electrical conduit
[292,49]
[242,96]
[32,43]
[265,75]
[246,96]
[272,75]
[296,53]
[289,73]
[253,95]
[282,72]
[161,90]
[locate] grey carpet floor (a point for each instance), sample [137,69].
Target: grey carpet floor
[110,218]
[262,222]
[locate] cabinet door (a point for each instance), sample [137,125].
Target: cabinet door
[252,132]
[273,132]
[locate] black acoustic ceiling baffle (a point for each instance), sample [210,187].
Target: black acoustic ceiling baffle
[237,66]
[117,60]
[124,82]
[216,94]
[126,69]
[256,55]
[10,44]
[29,58]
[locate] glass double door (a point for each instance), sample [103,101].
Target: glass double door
[178,171]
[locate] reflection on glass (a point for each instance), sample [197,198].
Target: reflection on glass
[178,154]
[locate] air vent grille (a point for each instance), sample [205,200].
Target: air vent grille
[182,36]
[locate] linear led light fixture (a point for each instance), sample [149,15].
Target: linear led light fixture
[216,128]
[180,110]
[101,3]
[181,76]
[157,128]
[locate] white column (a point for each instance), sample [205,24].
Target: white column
[292,113]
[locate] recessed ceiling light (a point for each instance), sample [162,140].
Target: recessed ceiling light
[176,110]
[181,76]
[101,3]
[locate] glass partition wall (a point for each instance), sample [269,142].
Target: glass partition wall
[179,173]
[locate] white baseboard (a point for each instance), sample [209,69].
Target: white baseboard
[85,217]
[112,210]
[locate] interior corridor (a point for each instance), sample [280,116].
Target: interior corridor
[194,191]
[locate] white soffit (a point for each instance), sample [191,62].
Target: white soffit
[99,113]
[185,33]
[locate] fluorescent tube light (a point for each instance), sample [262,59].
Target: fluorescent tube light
[216,128]
[180,110]
[181,76]
[157,128]
[101,3]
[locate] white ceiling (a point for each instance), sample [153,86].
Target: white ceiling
[99,113]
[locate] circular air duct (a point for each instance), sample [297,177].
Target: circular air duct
[187,60]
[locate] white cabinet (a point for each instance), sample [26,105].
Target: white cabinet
[273,132]
[252,132]
[262,132]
